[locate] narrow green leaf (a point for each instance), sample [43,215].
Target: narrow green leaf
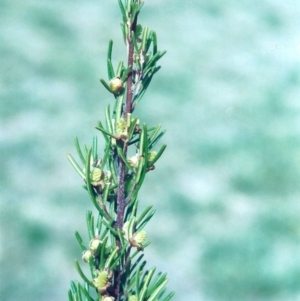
[73,287]
[143,214]
[92,267]
[154,40]
[70,295]
[81,156]
[128,8]
[135,9]
[132,127]
[109,51]
[110,258]
[131,226]
[136,48]
[143,223]
[128,191]
[120,69]
[135,207]
[169,297]
[102,253]
[106,229]
[146,284]
[99,224]
[157,291]
[135,45]
[148,44]
[105,194]
[138,8]
[139,170]
[121,237]
[76,166]
[110,70]
[80,241]
[112,168]
[121,154]
[119,106]
[158,55]
[156,282]
[136,264]
[145,83]
[79,292]
[141,142]
[94,149]
[86,293]
[115,232]
[154,132]
[106,154]
[80,272]
[106,86]
[145,147]
[144,38]
[137,282]
[108,119]
[88,175]
[90,224]
[123,29]
[158,155]
[125,74]
[157,138]
[122,10]
[100,128]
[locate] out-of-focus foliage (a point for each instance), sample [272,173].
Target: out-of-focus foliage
[227,193]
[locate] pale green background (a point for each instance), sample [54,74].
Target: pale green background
[226,191]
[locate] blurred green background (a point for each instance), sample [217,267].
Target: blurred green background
[227,189]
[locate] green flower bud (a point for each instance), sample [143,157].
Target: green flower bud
[132,298]
[116,84]
[94,243]
[96,175]
[86,255]
[151,156]
[101,281]
[138,238]
[134,161]
[121,130]
[120,126]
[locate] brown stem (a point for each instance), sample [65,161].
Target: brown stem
[121,198]
[128,109]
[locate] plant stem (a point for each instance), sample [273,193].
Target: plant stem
[121,198]
[128,109]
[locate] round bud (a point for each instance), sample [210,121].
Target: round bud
[86,255]
[96,174]
[134,161]
[94,243]
[116,84]
[152,156]
[101,281]
[138,238]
